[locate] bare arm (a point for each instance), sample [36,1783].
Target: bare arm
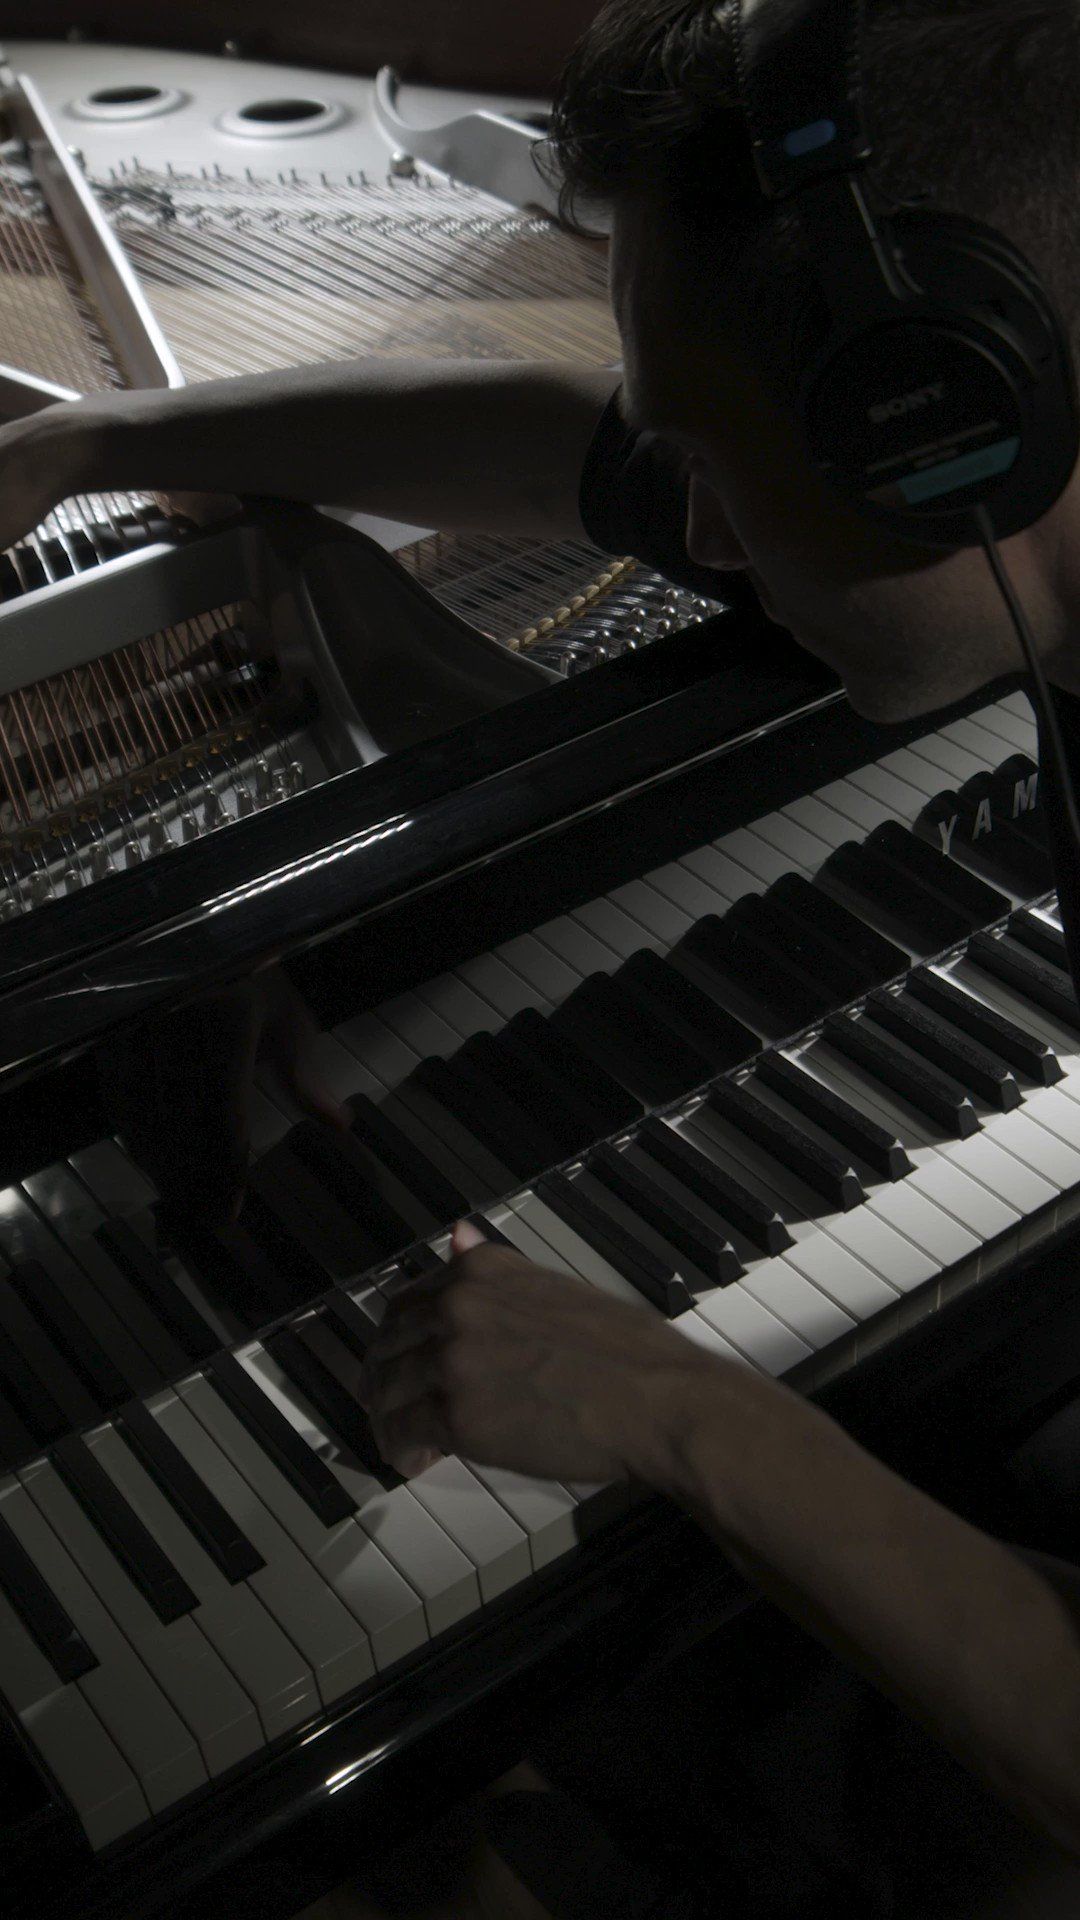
[503,1362]
[466,446]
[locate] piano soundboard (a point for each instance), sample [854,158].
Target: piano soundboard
[793,1091]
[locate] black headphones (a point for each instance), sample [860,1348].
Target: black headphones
[945,383]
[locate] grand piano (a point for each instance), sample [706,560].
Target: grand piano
[624,936]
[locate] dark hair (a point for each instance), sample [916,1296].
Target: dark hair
[970,103]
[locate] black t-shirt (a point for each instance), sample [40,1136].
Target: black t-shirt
[633,500]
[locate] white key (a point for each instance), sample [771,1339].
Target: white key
[572,1251]
[267,1122]
[1015,1182]
[816,816]
[506,990]
[113,1179]
[728,877]
[910,766]
[577,946]
[688,890]
[421,1028]
[70,1738]
[1017,730]
[342,1556]
[544,1510]
[383,1053]
[617,929]
[904,801]
[944,755]
[1027,1140]
[797,844]
[855,806]
[844,1278]
[462,1007]
[127,1700]
[804,1308]
[539,968]
[978,739]
[753,852]
[702,1335]
[474,1520]
[404,1533]
[232,1617]
[753,1330]
[653,911]
[179,1656]
[327,1636]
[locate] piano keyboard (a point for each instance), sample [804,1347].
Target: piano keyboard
[665,1092]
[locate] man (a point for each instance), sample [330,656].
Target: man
[698,467]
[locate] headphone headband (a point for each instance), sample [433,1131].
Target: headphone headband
[800,77]
[942,380]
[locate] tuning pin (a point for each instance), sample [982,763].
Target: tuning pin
[73,879]
[39,889]
[158,837]
[189,827]
[133,853]
[101,861]
[215,812]
[246,803]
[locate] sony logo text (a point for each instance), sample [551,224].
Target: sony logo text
[905,403]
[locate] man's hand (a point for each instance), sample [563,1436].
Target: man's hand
[515,1366]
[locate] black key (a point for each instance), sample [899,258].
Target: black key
[945,879]
[57,558]
[735,956]
[231,1265]
[67,1392]
[669,996]
[134,1546]
[508,1107]
[146,1273]
[301,1466]
[385,1141]
[75,1338]
[41,1613]
[305,1215]
[844,931]
[936,1094]
[483,1225]
[27,1398]
[216,1531]
[589,1079]
[337,1161]
[654,1279]
[816,1165]
[920,920]
[284,1235]
[565,1119]
[17,1444]
[1041,938]
[550,1092]
[608,1025]
[836,977]
[422,1263]
[835,1115]
[1036,980]
[340,1412]
[488,1114]
[352,1327]
[927,1034]
[1015,789]
[967,824]
[712,1255]
[342,1366]
[1033,1056]
[718,1189]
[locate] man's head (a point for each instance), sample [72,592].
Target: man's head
[971,106]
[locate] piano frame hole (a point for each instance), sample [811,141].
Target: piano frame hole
[283,118]
[125,101]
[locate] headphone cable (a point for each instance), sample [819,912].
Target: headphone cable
[1053,741]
